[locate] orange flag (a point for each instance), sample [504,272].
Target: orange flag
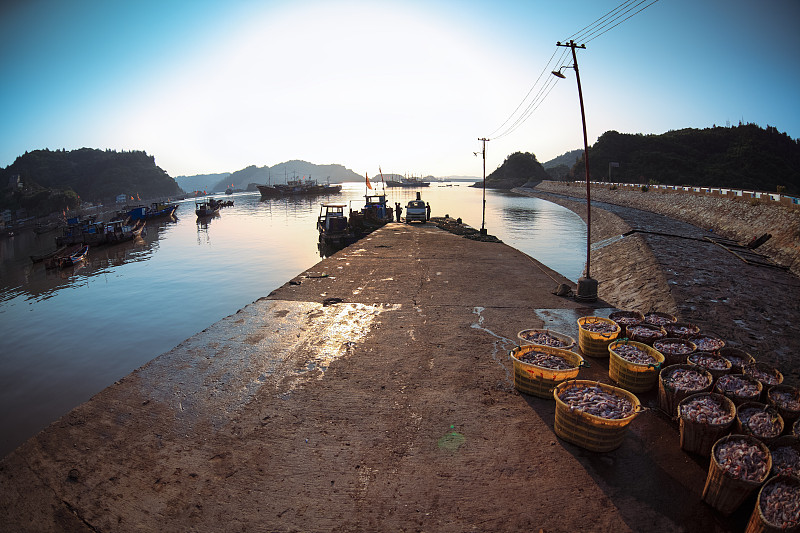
[369,185]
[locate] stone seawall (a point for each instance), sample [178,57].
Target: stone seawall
[740,220]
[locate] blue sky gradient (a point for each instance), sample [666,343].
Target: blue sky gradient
[209,86]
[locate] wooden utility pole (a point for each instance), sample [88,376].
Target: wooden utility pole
[483,219]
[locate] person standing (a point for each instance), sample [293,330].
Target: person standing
[398,210]
[428,211]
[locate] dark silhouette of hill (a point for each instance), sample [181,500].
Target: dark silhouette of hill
[745,156]
[518,169]
[283,172]
[94,176]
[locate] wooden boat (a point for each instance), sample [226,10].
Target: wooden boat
[156,210]
[74,257]
[332,224]
[208,208]
[48,255]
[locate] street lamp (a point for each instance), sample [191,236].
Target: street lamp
[587,287]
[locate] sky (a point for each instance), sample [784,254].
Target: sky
[407,87]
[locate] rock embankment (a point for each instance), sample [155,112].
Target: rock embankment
[740,220]
[644,259]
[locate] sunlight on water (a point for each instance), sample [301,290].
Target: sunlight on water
[67,334]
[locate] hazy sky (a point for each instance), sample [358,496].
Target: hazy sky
[408,86]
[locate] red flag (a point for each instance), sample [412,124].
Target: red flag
[369,185]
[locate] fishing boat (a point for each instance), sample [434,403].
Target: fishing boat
[332,224]
[373,215]
[113,232]
[268,191]
[207,208]
[74,258]
[410,181]
[156,210]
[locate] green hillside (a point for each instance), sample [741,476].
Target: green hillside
[745,156]
[518,169]
[93,175]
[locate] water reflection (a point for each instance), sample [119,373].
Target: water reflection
[130,302]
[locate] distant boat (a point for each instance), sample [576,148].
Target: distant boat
[207,208]
[74,258]
[307,187]
[408,182]
[156,210]
[268,191]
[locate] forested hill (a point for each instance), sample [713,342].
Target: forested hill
[518,169]
[94,175]
[745,156]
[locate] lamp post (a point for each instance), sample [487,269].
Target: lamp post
[483,218]
[587,287]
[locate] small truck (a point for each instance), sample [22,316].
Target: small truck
[416,210]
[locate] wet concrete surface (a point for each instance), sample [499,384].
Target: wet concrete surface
[372,392]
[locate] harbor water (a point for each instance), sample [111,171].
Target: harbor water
[67,334]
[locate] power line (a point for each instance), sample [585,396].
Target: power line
[600,26]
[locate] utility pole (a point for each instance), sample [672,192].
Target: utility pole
[587,287]
[483,219]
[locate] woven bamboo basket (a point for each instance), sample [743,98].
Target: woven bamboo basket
[634,377]
[659,319]
[707,342]
[722,490]
[738,399]
[681,330]
[626,318]
[737,357]
[645,333]
[699,437]
[675,350]
[540,381]
[591,432]
[693,359]
[758,521]
[567,342]
[790,413]
[669,397]
[796,428]
[744,429]
[592,343]
[758,370]
[785,441]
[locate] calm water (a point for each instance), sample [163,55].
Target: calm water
[67,334]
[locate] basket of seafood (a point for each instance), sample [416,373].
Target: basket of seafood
[545,337]
[675,350]
[595,334]
[785,453]
[538,369]
[634,366]
[766,374]
[777,507]
[645,333]
[676,382]
[626,318]
[796,428]
[707,342]
[739,465]
[656,318]
[737,357]
[739,388]
[593,415]
[786,400]
[704,418]
[715,364]
[759,420]
[681,330]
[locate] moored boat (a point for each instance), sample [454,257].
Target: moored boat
[332,224]
[207,208]
[75,257]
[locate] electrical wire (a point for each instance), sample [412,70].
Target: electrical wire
[588,33]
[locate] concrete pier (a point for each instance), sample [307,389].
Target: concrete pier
[373,392]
